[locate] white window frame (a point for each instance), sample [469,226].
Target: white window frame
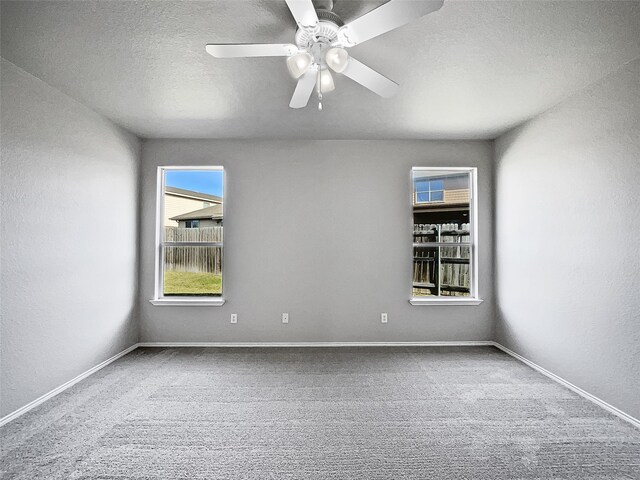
[183,301]
[473,298]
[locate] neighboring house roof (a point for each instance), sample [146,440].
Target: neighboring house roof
[213,212]
[191,194]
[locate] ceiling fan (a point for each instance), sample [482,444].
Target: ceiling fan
[321,41]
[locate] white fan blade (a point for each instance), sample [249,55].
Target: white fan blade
[389,16]
[304,89]
[369,78]
[304,12]
[234,50]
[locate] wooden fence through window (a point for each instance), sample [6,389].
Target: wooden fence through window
[197,259]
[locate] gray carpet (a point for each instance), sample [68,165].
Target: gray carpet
[319,413]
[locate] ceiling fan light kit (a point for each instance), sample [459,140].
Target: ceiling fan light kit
[337,59]
[298,64]
[321,41]
[326,81]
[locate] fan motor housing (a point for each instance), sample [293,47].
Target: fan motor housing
[326,31]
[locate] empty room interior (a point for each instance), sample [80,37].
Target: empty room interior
[251,239]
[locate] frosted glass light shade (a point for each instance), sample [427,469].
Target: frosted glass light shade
[298,64]
[326,81]
[337,59]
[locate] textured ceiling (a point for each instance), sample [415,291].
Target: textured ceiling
[471,70]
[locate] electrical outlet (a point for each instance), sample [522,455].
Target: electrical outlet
[383,318]
[285,318]
[234,318]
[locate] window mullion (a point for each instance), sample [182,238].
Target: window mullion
[191,244]
[442,244]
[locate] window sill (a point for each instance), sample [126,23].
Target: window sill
[187,302]
[445,301]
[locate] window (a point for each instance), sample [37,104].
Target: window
[429,191]
[189,236]
[444,236]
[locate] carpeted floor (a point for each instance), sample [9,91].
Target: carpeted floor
[319,413]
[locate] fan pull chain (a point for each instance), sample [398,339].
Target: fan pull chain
[319,90]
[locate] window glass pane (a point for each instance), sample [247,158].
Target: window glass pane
[191,270]
[193,201]
[437,196]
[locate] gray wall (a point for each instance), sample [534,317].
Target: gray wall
[567,230]
[321,230]
[68,245]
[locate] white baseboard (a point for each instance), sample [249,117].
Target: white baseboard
[29,406]
[317,344]
[610,408]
